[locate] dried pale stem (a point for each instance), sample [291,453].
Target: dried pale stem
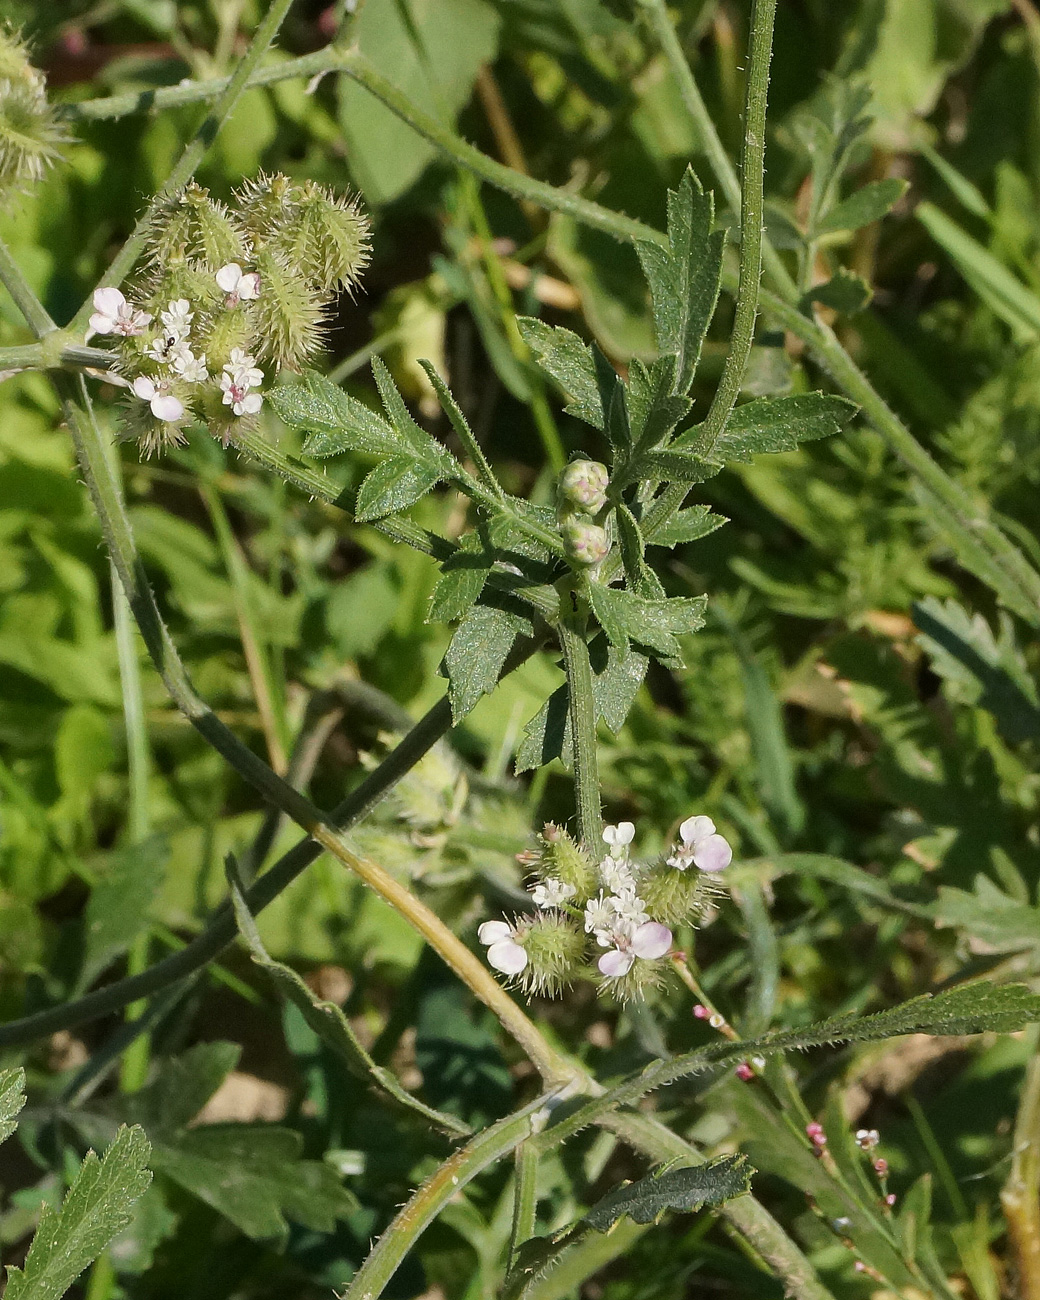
[1020,1197]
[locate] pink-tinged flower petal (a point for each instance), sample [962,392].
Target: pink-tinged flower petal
[228,277]
[144,387]
[712,853]
[251,403]
[167,407]
[507,957]
[249,286]
[100,324]
[494,932]
[110,302]
[696,828]
[651,940]
[615,963]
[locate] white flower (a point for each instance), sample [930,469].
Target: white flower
[599,914]
[552,893]
[867,1138]
[177,319]
[164,405]
[115,315]
[619,837]
[192,369]
[236,285]
[649,941]
[629,910]
[504,953]
[617,876]
[701,845]
[238,377]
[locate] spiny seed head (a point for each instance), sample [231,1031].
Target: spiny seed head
[193,226]
[30,133]
[555,945]
[266,206]
[289,315]
[676,897]
[220,334]
[641,978]
[337,235]
[560,858]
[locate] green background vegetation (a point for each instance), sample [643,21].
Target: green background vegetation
[857,693]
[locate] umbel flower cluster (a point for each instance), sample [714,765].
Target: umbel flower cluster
[30,133]
[611,918]
[227,296]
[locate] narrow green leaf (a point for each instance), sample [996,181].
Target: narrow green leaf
[119,904]
[654,409]
[845,292]
[12,1099]
[460,424]
[1006,296]
[626,617]
[685,278]
[427,449]
[779,424]
[99,1204]
[462,579]
[475,656]
[980,669]
[395,484]
[688,526]
[674,466]
[567,359]
[328,1021]
[676,1189]
[335,421]
[869,203]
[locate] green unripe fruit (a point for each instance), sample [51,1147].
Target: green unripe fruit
[555,947]
[30,133]
[583,486]
[289,314]
[676,897]
[562,859]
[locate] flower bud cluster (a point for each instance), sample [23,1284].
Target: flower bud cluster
[612,918]
[30,132]
[228,296]
[581,499]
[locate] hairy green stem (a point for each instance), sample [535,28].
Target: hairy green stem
[422,1208]
[582,705]
[752,221]
[36,315]
[193,153]
[525,1196]
[711,142]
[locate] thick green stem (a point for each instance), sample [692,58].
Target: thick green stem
[572,629]
[752,221]
[193,153]
[525,1196]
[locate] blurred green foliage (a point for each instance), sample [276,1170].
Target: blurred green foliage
[858,714]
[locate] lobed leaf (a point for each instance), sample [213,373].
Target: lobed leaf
[12,1099]
[685,278]
[98,1206]
[395,484]
[335,421]
[476,654]
[688,525]
[772,424]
